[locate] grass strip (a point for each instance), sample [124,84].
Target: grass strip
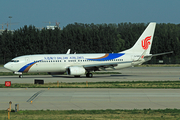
[118,84]
[1,65]
[168,114]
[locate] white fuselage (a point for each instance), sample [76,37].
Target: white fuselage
[60,62]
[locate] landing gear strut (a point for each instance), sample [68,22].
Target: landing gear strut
[89,75]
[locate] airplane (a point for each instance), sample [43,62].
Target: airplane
[80,64]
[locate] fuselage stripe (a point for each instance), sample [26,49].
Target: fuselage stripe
[106,55]
[27,67]
[109,56]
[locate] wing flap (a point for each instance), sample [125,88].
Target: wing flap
[103,65]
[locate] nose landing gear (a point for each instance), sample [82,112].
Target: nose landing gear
[19,73]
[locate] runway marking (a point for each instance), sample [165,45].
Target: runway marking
[34,96]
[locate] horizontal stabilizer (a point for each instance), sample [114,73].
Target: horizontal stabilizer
[158,54]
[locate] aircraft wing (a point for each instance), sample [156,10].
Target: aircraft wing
[102,66]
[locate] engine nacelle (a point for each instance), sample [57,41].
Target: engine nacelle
[75,71]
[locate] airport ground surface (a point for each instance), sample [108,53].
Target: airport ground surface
[89,99]
[94,98]
[128,74]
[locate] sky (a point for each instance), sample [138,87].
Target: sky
[40,12]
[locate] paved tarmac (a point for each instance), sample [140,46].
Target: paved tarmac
[128,74]
[92,98]
[89,99]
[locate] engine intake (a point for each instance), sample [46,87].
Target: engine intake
[75,71]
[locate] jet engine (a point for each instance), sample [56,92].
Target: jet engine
[75,71]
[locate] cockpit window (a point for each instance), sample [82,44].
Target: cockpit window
[14,60]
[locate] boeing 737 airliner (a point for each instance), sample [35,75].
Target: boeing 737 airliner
[79,64]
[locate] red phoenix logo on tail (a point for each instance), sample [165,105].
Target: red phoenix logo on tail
[145,43]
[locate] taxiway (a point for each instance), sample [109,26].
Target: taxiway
[89,99]
[94,98]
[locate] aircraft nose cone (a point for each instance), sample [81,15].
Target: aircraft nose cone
[7,66]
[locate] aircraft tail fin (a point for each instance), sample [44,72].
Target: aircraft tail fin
[144,42]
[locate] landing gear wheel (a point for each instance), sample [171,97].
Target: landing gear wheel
[20,76]
[89,75]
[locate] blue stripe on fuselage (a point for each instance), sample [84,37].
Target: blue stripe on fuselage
[109,57]
[28,65]
[24,67]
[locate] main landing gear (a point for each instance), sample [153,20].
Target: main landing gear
[90,75]
[20,76]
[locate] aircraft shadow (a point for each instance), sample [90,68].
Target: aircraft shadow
[94,76]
